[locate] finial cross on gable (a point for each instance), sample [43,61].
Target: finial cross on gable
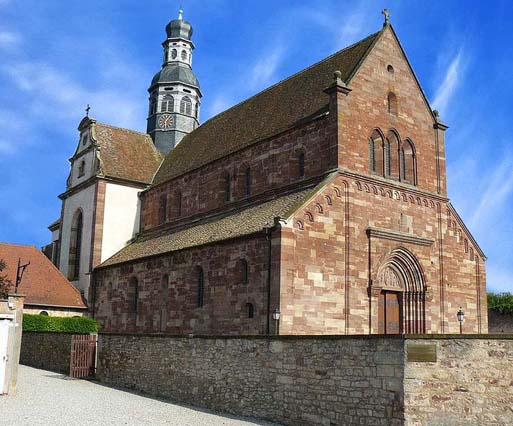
[386,14]
[87,110]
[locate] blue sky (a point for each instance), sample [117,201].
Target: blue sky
[58,56]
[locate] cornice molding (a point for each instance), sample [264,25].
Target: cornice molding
[387,234]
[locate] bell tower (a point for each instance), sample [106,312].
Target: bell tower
[174,91]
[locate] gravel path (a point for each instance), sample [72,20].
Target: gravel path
[50,399]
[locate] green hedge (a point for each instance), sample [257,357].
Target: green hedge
[501,302]
[59,324]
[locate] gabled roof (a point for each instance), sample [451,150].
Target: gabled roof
[276,109]
[42,283]
[230,225]
[126,154]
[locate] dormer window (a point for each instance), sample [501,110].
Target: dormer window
[81,168]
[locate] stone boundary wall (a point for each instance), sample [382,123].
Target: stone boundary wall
[321,380]
[46,350]
[500,323]
[471,383]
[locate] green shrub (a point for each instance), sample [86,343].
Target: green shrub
[501,302]
[59,324]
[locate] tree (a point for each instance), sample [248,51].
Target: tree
[5,283]
[501,302]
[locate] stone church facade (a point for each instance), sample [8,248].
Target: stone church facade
[322,198]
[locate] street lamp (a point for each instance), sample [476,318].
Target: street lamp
[276,318]
[461,317]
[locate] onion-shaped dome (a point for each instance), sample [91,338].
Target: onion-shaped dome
[179,28]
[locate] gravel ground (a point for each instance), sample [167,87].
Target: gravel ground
[50,399]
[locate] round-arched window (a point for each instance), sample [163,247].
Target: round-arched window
[174,53]
[44,313]
[184,55]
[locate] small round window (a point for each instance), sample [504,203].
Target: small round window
[44,313]
[184,55]
[174,53]
[390,69]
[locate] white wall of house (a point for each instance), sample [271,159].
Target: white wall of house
[121,218]
[84,200]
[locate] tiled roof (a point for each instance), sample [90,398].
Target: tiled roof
[42,283]
[234,224]
[278,108]
[126,154]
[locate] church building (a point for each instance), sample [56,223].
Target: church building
[317,206]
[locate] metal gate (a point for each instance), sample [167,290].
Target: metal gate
[83,356]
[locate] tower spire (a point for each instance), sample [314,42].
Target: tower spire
[180,14]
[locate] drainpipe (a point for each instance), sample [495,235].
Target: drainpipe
[268,235]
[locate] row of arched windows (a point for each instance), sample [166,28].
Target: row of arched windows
[391,157]
[133,291]
[167,104]
[174,54]
[248,179]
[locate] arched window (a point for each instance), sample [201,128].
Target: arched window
[408,166]
[227,183]
[164,297]
[392,103]
[44,313]
[301,164]
[184,55]
[244,269]
[392,156]
[201,286]
[81,168]
[133,295]
[247,181]
[174,54]
[153,104]
[167,104]
[250,310]
[186,106]
[178,200]
[376,158]
[163,209]
[75,246]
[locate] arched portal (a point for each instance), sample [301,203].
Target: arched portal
[402,294]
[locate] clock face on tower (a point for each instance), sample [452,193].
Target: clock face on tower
[165,121]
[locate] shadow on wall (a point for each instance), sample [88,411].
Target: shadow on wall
[499,323]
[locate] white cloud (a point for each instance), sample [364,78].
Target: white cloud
[447,89]
[56,95]
[9,39]
[499,186]
[263,73]
[219,104]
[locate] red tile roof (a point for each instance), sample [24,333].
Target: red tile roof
[42,283]
[126,154]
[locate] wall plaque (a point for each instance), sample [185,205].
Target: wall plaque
[421,352]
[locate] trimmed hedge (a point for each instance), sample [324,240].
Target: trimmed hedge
[59,324]
[501,302]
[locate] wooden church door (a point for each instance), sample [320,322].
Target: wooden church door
[389,312]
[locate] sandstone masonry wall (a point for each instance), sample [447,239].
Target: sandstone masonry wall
[470,384]
[49,351]
[291,380]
